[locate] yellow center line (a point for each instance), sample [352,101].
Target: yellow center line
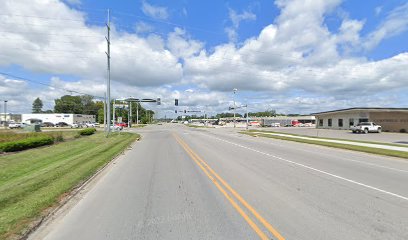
[205,167]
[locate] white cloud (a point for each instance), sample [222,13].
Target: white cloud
[236,19]
[395,23]
[142,27]
[71,46]
[180,45]
[295,64]
[154,11]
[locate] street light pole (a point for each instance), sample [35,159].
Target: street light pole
[247,118]
[235,90]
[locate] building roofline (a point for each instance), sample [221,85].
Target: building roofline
[360,108]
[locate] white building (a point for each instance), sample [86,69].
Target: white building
[57,117]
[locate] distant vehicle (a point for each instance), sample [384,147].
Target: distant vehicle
[366,127]
[185,122]
[296,123]
[90,125]
[16,125]
[47,124]
[61,124]
[97,124]
[76,125]
[116,128]
[121,124]
[275,125]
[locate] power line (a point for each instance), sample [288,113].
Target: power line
[54,34]
[54,19]
[48,85]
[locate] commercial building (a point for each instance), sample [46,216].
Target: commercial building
[56,118]
[390,119]
[288,121]
[9,118]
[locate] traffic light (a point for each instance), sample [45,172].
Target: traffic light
[175,111]
[158,101]
[176,102]
[185,111]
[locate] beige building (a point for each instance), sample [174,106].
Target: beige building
[391,119]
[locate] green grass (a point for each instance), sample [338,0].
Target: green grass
[34,180]
[340,139]
[12,135]
[378,151]
[138,125]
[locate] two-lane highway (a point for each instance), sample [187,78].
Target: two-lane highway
[184,183]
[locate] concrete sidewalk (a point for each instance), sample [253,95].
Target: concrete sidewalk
[371,145]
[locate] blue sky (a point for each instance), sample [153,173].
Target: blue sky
[284,54]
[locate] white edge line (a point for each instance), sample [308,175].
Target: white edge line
[320,171]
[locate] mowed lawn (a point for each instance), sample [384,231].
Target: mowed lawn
[33,180]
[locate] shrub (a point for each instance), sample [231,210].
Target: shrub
[403,130]
[87,131]
[27,143]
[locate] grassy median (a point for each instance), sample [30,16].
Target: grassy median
[34,180]
[378,151]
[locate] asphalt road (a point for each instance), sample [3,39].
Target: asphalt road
[184,183]
[384,137]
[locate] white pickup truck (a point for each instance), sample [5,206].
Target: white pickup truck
[366,127]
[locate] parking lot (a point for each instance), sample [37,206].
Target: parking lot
[384,137]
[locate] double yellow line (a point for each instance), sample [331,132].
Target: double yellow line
[221,184]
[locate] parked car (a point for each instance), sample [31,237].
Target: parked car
[47,124]
[15,125]
[76,125]
[61,124]
[366,127]
[116,128]
[121,124]
[89,125]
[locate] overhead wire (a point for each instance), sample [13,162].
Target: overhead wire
[48,85]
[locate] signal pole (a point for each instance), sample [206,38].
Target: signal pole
[108,80]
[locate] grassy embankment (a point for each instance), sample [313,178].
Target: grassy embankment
[378,151]
[34,180]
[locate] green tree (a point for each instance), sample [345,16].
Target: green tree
[69,104]
[37,105]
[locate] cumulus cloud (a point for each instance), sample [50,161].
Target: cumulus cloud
[294,64]
[236,19]
[61,42]
[154,11]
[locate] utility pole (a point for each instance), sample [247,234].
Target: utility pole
[113,115]
[104,113]
[5,114]
[130,115]
[137,112]
[108,79]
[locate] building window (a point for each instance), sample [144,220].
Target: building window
[321,122]
[360,120]
[340,122]
[351,122]
[329,122]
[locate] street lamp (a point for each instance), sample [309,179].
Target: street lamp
[235,90]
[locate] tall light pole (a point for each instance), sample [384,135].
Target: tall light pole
[5,114]
[235,90]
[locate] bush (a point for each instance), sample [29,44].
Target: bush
[27,143]
[87,131]
[403,130]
